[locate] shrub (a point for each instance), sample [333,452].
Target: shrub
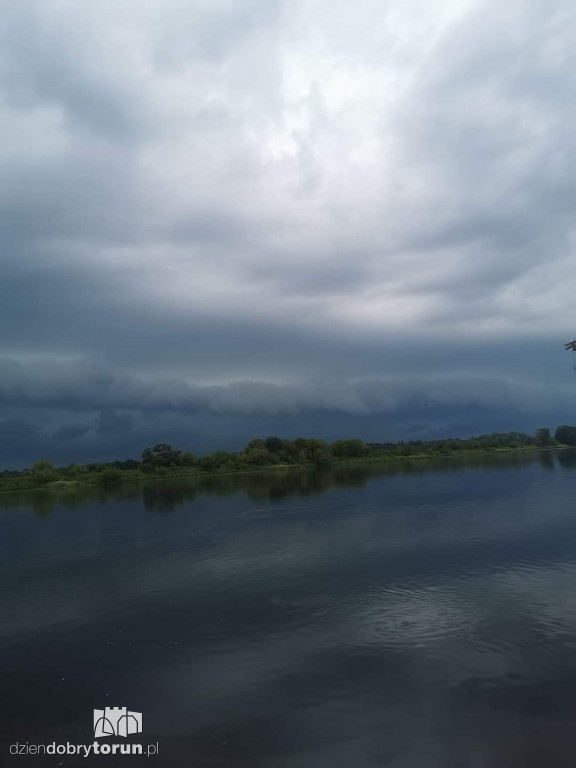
[256,442]
[43,472]
[110,476]
[566,435]
[217,460]
[75,470]
[543,437]
[188,460]
[274,443]
[349,448]
[257,456]
[161,455]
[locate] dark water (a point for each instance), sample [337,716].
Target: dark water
[420,618]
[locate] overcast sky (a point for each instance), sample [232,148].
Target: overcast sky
[224,218]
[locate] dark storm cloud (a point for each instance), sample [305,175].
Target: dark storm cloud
[206,432]
[111,422]
[86,387]
[70,432]
[274,211]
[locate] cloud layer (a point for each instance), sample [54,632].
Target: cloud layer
[268,208]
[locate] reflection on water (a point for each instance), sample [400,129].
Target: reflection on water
[165,495]
[417,616]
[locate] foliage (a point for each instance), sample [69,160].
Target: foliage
[216,461]
[543,438]
[162,460]
[490,442]
[258,457]
[566,435]
[188,460]
[349,449]
[110,476]
[274,444]
[43,472]
[74,471]
[256,442]
[161,455]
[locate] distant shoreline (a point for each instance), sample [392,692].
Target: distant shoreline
[137,477]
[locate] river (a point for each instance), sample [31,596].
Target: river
[421,615]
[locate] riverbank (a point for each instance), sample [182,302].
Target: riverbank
[108,478]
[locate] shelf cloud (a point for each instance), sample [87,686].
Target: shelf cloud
[241,211]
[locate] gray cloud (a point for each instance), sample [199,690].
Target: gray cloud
[70,431]
[268,210]
[50,60]
[111,422]
[86,387]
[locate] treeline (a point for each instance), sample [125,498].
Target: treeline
[164,460]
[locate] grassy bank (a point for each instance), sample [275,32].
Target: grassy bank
[270,455]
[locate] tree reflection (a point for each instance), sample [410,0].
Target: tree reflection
[567,458]
[546,459]
[164,496]
[43,505]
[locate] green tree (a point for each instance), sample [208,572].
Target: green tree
[320,455]
[566,435]
[110,476]
[43,472]
[258,456]
[310,450]
[74,471]
[543,438]
[216,460]
[161,455]
[274,444]
[349,449]
[188,460]
[256,442]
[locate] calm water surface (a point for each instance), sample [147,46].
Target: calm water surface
[422,617]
